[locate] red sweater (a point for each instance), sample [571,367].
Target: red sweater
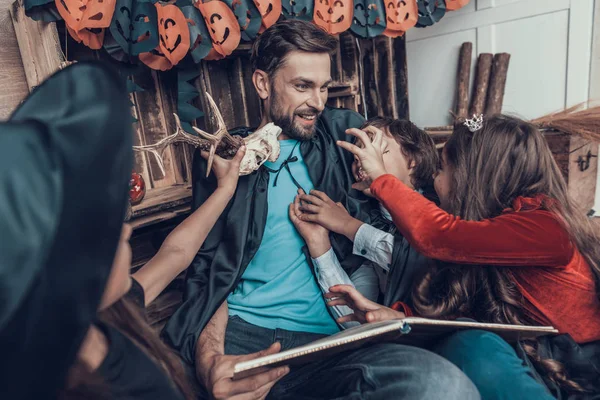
[555,280]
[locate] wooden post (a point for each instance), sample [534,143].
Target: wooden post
[495,94]
[462,80]
[38,44]
[481,83]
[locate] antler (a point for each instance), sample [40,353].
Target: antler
[204,140]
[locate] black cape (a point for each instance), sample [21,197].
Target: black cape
[65,161]
[235,238]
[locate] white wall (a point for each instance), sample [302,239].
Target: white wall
[550,45]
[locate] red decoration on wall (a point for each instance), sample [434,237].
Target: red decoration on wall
[137,188]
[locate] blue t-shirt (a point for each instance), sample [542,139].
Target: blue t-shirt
[278,288]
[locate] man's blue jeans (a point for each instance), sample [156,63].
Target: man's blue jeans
[380,371]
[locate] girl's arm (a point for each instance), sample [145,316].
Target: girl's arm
[181,246]
[533,237]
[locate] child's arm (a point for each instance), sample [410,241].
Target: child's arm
[330,273]
[526,237]
[181,246]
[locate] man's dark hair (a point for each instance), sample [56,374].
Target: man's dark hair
[271,48]
[417,146]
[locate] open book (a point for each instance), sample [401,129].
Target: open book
[412,330]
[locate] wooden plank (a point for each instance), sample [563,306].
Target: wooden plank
[582,184]
[13,84]
[38,44]
[401,71]
[153,125]
[349,69]
[161,199]
[239,100]
[167,89]
[383,57]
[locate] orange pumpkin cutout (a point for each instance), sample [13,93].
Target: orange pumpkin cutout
[155,59]
[453,5]
[92,38]
[222,26]
[86,14]
[270,10]
[173,33]
[400,16]
[335,16]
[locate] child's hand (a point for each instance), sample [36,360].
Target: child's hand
[364,309]
[318,208]
[370,154]
[227,171]
[315,236]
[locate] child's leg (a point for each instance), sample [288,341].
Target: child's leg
[492,365]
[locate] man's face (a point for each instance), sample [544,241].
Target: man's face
[299,93]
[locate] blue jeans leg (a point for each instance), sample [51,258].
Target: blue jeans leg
[493,366]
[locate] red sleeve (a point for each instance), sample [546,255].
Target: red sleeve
[403,307]
[518,238]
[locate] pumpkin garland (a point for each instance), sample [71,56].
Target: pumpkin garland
[161,34]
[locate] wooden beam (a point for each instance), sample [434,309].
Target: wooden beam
[463,76]
[481,83]
[495,95]
[38,44]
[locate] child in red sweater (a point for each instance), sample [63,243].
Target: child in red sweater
[512,248]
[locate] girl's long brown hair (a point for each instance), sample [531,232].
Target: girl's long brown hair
[127,318]
[503,160]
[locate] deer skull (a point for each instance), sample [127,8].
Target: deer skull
[261,146]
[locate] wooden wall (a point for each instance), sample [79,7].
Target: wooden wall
[13,86]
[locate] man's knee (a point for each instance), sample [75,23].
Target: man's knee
[421,374]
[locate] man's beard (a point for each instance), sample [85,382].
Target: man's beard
[288,127]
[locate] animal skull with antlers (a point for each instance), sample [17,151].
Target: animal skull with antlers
[261,145]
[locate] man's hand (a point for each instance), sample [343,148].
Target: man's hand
[315,236]
[365,310]
[227,171]
[218,374]
[318,208]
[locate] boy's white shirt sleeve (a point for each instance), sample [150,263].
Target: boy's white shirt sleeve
[329,273]
[375,245]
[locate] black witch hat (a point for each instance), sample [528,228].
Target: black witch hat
[65,161]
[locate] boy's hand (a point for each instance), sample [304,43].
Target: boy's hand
[315,235]
[227,171]
[318,208]
[364,309]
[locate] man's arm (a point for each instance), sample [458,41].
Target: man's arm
[215,369]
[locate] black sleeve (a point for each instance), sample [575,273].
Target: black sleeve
[183,328]
[136,294]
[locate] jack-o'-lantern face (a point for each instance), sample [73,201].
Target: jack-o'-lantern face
[335,16]
[173,33]
[453,5]
[81,14]
[155,59]
[270,10]
[401,15]
[134,26]
[369,18]
[222,27]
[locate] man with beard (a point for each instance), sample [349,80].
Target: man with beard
[251,287]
